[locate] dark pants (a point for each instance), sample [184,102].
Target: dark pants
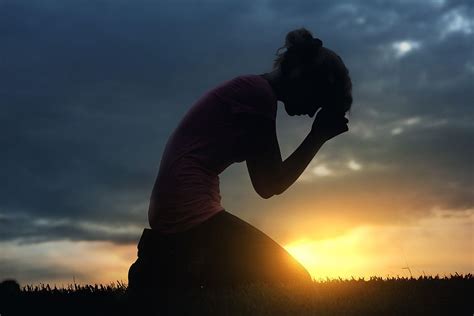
[222,251]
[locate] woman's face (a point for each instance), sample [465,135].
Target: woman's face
[304,92]
[300,99]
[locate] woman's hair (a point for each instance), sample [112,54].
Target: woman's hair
[321,67]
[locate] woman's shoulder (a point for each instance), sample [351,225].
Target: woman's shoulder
[255,95]
[253,80]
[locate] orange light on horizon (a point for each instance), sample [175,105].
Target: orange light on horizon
[392,250]
[332,258]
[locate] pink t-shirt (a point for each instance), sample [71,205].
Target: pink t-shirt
[207,140]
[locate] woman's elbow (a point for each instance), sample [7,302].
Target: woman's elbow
[269,191]
[264,193]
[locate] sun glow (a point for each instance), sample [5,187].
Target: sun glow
[389,250]
[337,257]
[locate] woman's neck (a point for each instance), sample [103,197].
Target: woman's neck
[274,78]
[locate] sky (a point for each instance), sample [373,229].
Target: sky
[90,91]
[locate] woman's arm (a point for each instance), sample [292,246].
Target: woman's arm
[268,173]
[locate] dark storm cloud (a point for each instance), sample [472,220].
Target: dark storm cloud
[90,91]
[90,94]
[27,229]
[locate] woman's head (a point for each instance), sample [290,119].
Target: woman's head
[312,76]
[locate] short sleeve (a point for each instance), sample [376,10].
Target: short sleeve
[249,94]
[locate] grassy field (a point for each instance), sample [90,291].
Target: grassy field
[430,295]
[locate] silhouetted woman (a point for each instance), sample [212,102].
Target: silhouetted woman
[193,240]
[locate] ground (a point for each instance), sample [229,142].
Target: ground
[431,295]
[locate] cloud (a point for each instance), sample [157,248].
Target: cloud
[27,229]
[402,48]
[321,170]
[457,20]
[354,165]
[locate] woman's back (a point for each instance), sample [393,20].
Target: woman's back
[207,140]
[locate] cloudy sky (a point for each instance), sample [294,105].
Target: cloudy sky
[91,90]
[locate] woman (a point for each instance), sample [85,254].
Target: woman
[193,240]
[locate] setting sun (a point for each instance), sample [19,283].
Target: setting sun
[391,250]
[329,257]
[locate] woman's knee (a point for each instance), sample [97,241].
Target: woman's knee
[136,275]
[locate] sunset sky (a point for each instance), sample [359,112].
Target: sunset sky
[91,90]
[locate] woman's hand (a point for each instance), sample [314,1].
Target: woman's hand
[328,124]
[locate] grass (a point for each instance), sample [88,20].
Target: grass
[427,295]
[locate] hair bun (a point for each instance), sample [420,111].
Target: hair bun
[298,37]
[302,43]
[317,42]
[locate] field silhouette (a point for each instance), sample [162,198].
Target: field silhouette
[426,295]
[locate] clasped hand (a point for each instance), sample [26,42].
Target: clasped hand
[328,124]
